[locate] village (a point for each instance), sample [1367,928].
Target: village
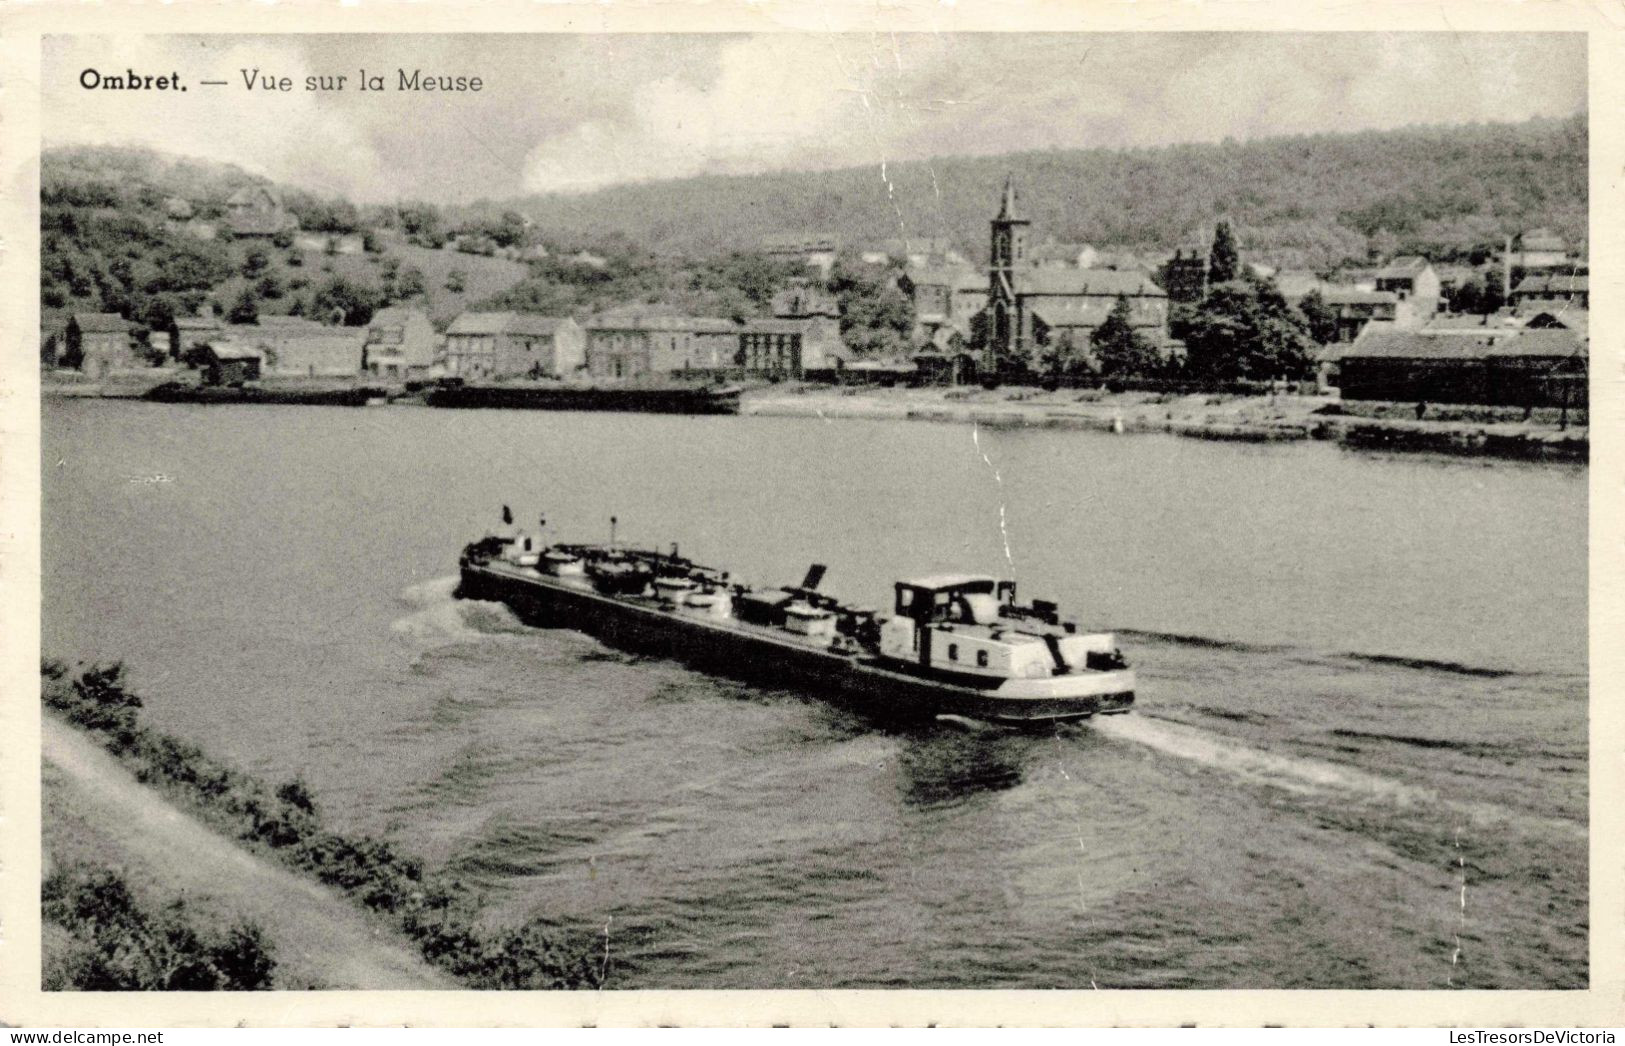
[1400,336]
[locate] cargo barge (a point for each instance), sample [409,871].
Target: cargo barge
[181,392]
[657,399]
[953,645]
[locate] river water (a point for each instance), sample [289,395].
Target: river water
[1358,757]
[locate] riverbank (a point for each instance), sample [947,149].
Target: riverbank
[284,823]
[95,810]
[1254,419]
[1457,430]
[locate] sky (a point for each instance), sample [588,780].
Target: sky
[572,113]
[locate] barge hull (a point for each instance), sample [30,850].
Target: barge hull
[861,682]
[649,401]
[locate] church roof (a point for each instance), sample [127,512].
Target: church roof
[1085,312]
[1067,283]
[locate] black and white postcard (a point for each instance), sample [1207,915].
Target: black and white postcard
[929,514]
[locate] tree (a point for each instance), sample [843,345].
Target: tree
[456,281]
[410,284]
[876,317]
[1059,358]
[353,302]
[1120,348]
[246,309]
[282,239]
[1224,261]
[1244,329]
[1318,317]
[268,287]
[255,262]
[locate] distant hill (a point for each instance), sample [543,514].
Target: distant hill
[1450,193]
[1309,201]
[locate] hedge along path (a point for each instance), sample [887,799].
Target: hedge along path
[311,928]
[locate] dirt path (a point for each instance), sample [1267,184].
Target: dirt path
[319,937]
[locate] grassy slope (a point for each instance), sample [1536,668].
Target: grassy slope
[93,809]
[484,276]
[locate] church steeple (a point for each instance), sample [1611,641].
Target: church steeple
[1007,207]
[1007,255]
[1009,248]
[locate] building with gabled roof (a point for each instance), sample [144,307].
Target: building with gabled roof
[1065,255]
[258,210]
[487,345]
[99,343]
[1549,288]
[1412,280]
[401,343]
[1030,306]
[1497,366]
[1539,249]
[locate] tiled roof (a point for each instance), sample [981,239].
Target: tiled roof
[224,350]
[1384,341]
[1541,240]
[101,322]
[504,323]
[661,321]
[1403,267]
[1085,312]
[774,326]
[1554,284]
[1091,282]
[1339,295]
[950,276]
[1550,343]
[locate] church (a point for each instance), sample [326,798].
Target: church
[1031,307]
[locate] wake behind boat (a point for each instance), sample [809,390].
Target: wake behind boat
[954,645]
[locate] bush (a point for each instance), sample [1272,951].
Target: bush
[440,913]
[122,946]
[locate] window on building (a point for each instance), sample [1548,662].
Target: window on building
[981,658]
[953,651]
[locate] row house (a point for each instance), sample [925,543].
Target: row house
[482,345]
[1551,289]
[401,344]
[632,344]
